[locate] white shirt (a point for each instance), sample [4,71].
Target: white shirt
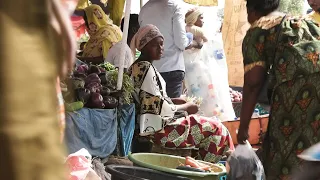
[169,17]
[113,56]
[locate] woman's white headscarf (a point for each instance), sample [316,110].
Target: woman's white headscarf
[193,16]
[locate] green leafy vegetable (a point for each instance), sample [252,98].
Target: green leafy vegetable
[127,84]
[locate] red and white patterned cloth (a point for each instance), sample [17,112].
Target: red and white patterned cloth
[209,135]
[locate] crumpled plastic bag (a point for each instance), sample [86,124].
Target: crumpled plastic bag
[244,164]
[79,164]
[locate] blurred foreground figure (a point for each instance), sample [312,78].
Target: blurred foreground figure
[29,133]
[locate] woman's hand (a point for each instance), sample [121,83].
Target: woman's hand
[178,101]
[199,45]
[253,81]
[192,108]
[242,135]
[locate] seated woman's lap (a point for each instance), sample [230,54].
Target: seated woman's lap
[208,134]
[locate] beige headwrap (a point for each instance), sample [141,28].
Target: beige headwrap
[193,17]
[144,35]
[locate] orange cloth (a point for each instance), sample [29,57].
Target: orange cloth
[61,110]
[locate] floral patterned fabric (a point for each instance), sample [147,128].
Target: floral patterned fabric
[295,108]
[103,33]
[208,134]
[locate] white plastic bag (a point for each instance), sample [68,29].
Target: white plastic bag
[207,79]
[79,164]
[244,164]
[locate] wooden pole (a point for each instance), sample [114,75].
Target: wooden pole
[124,43]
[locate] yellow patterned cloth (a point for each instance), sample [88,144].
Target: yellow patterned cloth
[103,33]
[315,16]
[115,6]
[202,2]
[116,10]
[82,4]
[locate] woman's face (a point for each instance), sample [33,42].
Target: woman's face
[199,21]
[154,49]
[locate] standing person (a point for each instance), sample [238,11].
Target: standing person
[274,44]
[205,79]
[168,16]
[315,5]
[29,135]
[194,21]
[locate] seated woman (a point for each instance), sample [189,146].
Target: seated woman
[103,35]
[157,110]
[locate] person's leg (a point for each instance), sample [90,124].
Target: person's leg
[174,81]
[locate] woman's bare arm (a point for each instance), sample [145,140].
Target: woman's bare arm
[253,81]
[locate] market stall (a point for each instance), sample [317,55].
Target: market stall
[99,118]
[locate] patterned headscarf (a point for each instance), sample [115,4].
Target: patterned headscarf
[144,35]
[101,31]
[192,16]
[96,18]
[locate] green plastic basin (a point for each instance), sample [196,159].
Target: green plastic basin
[169,163]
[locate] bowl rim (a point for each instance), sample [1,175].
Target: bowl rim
[174,171]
